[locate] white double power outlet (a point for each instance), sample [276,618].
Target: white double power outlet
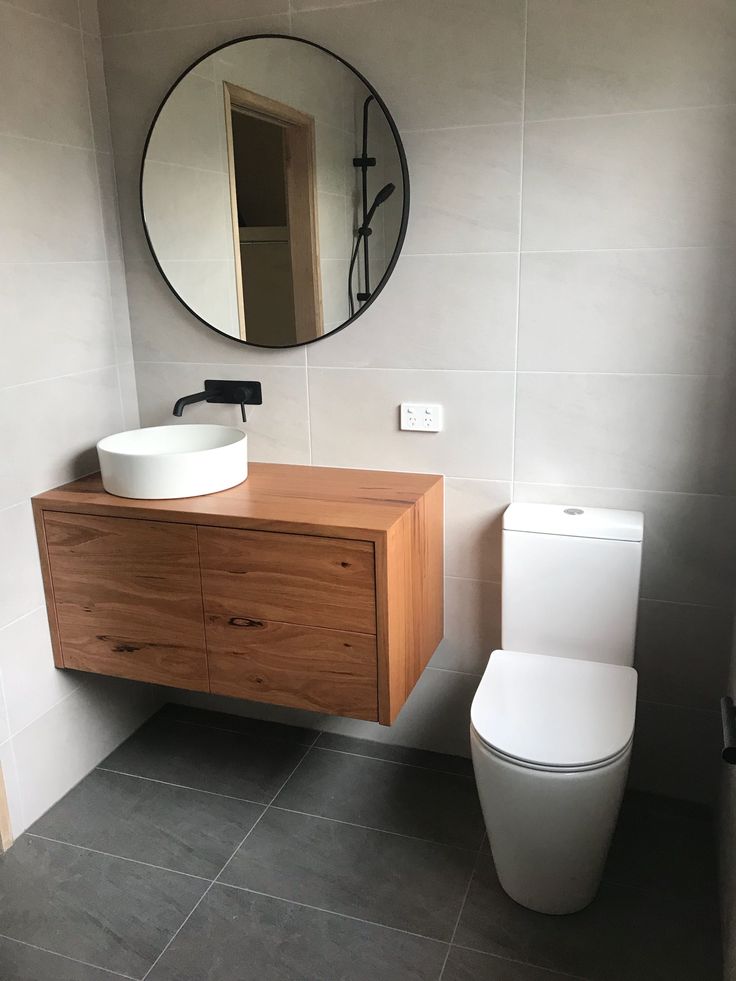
[420,417]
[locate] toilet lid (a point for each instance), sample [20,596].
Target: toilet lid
[554,711]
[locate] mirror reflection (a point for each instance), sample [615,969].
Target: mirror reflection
[274,191]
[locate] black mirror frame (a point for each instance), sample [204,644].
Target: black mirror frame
[404,177]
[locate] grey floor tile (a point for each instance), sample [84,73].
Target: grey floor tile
[106,911]
[664,846]
[625,935]
[397,754]
[185,830]
[244,766]
[470,965]
[239,935]
[237,723]
[400,882]
[441,807]
[21,963]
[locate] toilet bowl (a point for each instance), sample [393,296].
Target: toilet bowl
[551,740]
[552,721]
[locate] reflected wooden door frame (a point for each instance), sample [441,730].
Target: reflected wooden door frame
[301,201]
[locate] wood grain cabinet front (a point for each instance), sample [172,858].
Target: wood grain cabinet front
[306,587]
[128,598]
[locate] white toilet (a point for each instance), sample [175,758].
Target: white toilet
[553,718]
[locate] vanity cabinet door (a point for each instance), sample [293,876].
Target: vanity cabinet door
[303,579]
[127,596]
[331,671]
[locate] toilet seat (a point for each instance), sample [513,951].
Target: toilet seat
[555,713]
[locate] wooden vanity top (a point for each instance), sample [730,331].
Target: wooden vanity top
[275,497]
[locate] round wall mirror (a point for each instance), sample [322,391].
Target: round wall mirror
[274,191]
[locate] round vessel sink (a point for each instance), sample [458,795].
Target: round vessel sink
[164,462]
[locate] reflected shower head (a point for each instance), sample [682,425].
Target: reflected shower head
[383,195]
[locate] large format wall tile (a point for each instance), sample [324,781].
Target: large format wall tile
[57,750]
[46,76]
[423,84]
[61,11]
[636,310]
[682,654]
[688,538]
[436,311]
[473,521]
[56,319]
[653,432]
[49,203]
[52,427]
[125,16]
[31,683]
[355,421]
[677,752]
[593,56]
[465,184]
[21,589]
[277,430]
[472,626]
[585,186]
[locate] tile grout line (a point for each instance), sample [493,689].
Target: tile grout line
[519,243]
[512,960]
[462,906]
[332,912]
[122,858]
[67,957]
[237,849]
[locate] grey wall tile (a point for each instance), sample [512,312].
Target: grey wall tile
[687,554]
[465,185]
[475,440]
[682,654]
[61,11]
[125,16]
[40,223]
[61,419]
[31,683]
[652,432]
[677,752]
[636,310]
[423,86]
[473,520]
[472,626]
[591,56]
[436,311]
[277,430]
[585,186]
[57,318]
[49,92]
[21,589]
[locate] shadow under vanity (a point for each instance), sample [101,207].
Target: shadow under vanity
[308,587]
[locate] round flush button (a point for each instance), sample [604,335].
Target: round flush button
[574,511]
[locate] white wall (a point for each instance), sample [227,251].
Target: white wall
[566,291]
[67,378]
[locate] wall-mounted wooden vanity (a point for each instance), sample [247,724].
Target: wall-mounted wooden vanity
[309,587]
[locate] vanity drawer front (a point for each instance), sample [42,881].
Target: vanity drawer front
[318,582]
[331,671]
[127,598]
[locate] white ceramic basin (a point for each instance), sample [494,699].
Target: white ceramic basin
[165,462]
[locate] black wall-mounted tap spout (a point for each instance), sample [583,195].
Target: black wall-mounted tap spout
[185,400]
[224,392]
